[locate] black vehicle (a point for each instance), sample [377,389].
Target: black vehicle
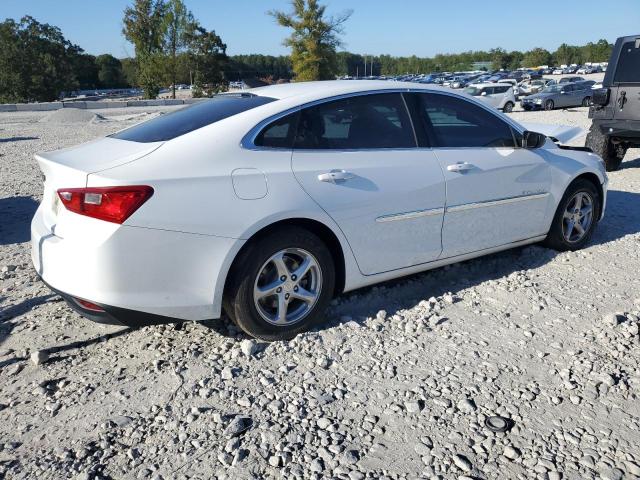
[615,108]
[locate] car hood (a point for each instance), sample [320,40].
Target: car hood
[561,133]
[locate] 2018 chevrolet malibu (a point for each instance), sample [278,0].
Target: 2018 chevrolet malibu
[267,203]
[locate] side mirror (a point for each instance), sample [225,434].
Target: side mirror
[483,94]
[533,139]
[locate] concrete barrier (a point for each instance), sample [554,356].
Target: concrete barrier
[75,104]
[38,107]
[49,106]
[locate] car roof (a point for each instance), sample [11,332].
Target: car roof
[489,84]
[310,91]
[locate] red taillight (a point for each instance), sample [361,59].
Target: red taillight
[112,204]
[87,305]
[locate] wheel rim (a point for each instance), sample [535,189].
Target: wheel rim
[287,286]
[578,217]
[549,105]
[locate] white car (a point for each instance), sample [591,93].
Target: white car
[266,204]
[498,95]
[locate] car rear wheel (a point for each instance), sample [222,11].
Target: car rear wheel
[586,101]
[281,284]
[576,217]
[549,105]
[508,107]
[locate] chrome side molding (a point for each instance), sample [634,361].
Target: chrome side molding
[409,215]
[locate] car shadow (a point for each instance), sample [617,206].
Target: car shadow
[16,214]
[635,163]
[17,139]
[8,313]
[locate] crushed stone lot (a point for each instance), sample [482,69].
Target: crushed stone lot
[397,384]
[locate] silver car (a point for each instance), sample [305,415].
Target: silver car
[498,95]
[573,94]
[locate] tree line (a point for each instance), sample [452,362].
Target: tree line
[37,63]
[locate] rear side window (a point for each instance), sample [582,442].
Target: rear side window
[279,134]
[362,122]
[628,68]
[175,124]
[457,123]
[502,89]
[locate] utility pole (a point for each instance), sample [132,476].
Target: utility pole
[365,65]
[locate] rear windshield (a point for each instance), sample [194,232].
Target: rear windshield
[191,118]
[628,69]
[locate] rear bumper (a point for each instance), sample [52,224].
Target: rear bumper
[113,315]
[138,275]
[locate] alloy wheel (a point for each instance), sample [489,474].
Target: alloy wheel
[578,217]
[287,287]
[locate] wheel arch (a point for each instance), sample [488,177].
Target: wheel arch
[326,234]
[595,180]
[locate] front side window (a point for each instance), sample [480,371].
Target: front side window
[198,115]
[457,123]
[361,122]
[628,68]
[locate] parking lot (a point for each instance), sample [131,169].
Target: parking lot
[397,384]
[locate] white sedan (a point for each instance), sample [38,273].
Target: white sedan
[267,203]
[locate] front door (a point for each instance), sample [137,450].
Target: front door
[497,193]
[357,158]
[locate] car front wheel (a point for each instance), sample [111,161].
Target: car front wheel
[281,284]
[549,105]
[576,217]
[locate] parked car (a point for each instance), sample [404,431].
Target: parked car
[495,94]
[558,71]
[560,96]
[615,111]
[534,86]
[571,79]
[316,188]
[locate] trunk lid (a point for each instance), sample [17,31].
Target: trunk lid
[70,167]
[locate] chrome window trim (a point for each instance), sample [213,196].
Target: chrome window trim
[493,203]
[248,141]
[410,215]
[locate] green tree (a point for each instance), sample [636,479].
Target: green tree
[144,26]
[314,39]
[177,22]
[208,57]
[536,58]
[36,62]
[109,71]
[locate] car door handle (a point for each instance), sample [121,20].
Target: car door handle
[335,176]
[460,167]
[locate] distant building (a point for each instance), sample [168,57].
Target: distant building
[481,65]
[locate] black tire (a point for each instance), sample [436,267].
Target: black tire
[239,301]
[586,101]
[602,146]
[549,105]
[556,238]
[508,107]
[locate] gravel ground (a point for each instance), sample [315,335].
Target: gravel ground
[397,384]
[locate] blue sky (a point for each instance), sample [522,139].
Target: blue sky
[401,27]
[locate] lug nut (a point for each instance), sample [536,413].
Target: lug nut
[279,289]
[294,278]
[295,289]
[283,278]
[286,296]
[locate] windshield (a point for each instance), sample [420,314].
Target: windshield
[201,114]
[473,91]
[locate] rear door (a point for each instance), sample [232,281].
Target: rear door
[626,82]
[357,157]
[497,193]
